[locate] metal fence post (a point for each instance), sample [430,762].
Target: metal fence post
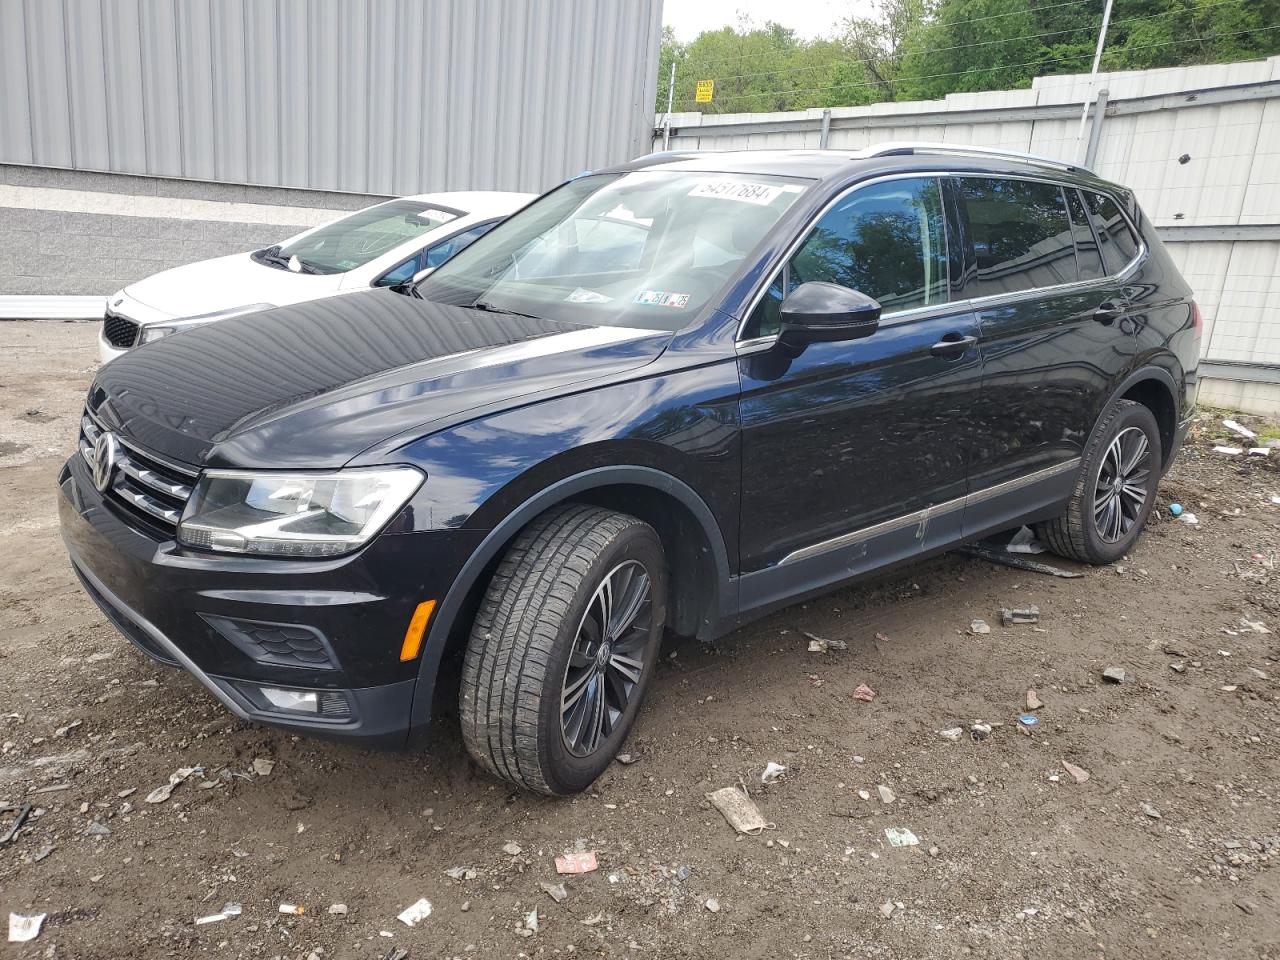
[1095,131]
[826,129]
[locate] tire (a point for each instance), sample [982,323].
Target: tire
[541,609]
[1095,534]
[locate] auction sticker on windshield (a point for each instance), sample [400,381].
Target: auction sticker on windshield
[660,298]
[761,194]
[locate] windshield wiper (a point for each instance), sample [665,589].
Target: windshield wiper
[273,256]
[490,308]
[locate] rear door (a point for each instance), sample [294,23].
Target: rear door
[1052,340]
[848,446]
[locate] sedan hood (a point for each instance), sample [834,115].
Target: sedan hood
[311,386]
[225,283]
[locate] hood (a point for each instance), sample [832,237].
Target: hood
[212,286]
[313,385]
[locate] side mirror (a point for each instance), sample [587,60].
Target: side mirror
[422,275]
[817,311]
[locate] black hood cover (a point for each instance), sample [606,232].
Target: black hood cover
[193,393]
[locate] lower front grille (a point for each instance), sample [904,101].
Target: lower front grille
[119,331]
[278,644]
[151,489]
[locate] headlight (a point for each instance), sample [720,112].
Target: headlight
[294,514]
[155,331]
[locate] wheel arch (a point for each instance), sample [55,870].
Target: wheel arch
[1154,388]
[701,582]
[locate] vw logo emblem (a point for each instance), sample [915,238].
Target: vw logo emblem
[106,451]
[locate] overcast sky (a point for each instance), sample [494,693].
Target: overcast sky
[809,18]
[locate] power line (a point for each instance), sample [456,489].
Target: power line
[1002,66]
[964,46]
[957,23]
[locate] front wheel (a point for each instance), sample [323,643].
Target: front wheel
[1115,491]
[563,648]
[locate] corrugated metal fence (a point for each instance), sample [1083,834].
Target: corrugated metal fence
[1199,145]
[367,96]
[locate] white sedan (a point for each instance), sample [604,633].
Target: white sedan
[383,245]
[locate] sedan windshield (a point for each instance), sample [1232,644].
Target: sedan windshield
[355,240]
[643,249]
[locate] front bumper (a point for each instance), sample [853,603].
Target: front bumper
[194,611]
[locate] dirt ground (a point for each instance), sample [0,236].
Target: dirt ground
[1170,849]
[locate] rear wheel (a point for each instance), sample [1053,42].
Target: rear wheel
[1115,491]
[563,648]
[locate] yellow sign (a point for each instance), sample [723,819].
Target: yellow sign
[704,92]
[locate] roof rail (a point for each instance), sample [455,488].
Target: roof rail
[898,148]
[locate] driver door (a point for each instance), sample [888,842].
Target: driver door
[855,454]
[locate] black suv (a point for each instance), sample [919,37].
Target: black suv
[671,395]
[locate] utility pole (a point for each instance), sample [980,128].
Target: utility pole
[1097,59]
[671,92]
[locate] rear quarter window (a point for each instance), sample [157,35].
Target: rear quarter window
[1119,245]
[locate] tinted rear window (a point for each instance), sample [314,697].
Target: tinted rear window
[1119,245]
[1020,233]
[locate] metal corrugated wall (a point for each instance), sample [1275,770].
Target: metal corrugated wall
[369,96]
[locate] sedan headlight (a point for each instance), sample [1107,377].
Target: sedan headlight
[155,331]
[294,514]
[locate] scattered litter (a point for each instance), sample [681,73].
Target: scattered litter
[1237,428]
[584,861]
[1229,451]
[1019,563]
[1033,700]
[1190,519]
[161,794]
[338,909]
[772,772]
[396,953]
[555,891]
[712,904]
[1175,509]
[819,644]
[626,759]
[901,837]
[887,908]
[1259,451]
[1024,541]
[461,873]
[951,733]
[263,767]
[1253,626]
[22,929]
[530,922]
[228,911]
[20,812]
[864,794]
[1276,500]
[415,913]
[294,908]
[1078,774]
[1009,617]
[1028,719]
[980,731]
[1113,674]
[864,693]
[979,626]
[739,809]
[1151,811]
[512,849]
[886,795]
[95,829]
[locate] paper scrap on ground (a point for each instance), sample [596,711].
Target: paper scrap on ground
[901,837]
[581,862]
[229,910]
[739,809]
[22,929]
[415,913]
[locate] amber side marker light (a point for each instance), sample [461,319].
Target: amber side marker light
[417,629]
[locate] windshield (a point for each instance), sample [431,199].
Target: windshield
[355,240]
[645,249]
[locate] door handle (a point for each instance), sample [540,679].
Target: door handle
[1108,313]
[953,345]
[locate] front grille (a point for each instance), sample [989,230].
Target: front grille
[149,488]
[120,331]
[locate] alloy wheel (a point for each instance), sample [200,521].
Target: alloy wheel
[1121,489]
[607,659]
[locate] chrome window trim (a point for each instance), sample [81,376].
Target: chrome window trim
[989,300]
[919,516]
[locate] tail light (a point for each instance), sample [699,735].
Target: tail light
[1197,322]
